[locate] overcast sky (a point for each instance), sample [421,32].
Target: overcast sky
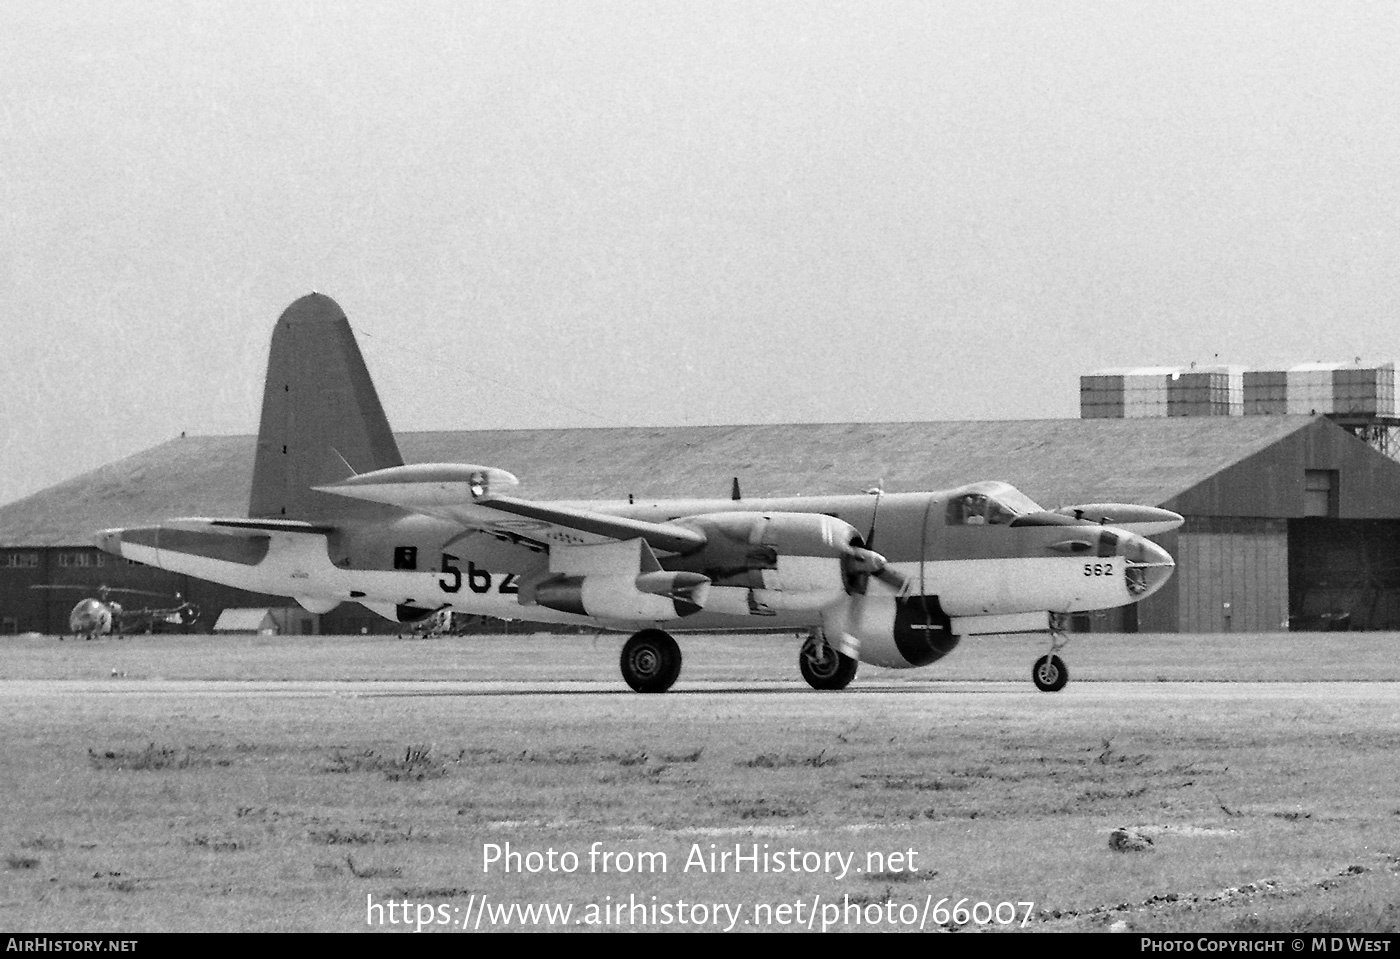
[609,214]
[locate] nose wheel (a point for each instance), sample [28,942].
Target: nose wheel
[1049,672]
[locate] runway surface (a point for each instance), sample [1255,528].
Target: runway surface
[1096,693]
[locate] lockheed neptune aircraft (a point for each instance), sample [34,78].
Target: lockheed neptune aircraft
[891,579]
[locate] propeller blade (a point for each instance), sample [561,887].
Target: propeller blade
[894,579]
[862,563]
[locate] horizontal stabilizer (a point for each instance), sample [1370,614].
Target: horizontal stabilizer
[242,541]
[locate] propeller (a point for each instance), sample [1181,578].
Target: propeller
[841,621]
[861,563]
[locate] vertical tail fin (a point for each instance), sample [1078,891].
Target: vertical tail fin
[320,413]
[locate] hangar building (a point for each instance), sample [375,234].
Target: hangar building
[1291,522]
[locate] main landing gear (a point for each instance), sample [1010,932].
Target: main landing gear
[824,667]
[1049,672]
[651,661]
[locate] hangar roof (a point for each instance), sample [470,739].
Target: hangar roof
[1055,462]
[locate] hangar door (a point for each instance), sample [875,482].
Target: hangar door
[1343,573]
[1233,575]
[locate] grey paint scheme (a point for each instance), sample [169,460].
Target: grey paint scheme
[319,408]
[322,422]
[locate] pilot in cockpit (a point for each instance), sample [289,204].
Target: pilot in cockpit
[970,509]
[974,509]
[978,509]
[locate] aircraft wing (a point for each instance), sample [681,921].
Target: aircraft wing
[565,523]
[462,494]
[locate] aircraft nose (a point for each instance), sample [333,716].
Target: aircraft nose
[1148,565]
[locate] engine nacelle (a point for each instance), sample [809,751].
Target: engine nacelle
[892,631]
[783,552]
[649,597]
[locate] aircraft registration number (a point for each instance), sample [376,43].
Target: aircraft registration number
[1098,569]
[477,579]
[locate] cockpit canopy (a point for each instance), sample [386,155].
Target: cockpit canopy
[989,503]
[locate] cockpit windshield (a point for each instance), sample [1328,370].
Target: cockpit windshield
[989,504]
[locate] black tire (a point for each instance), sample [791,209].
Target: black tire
[651,661]
[834,671]
[1050,674]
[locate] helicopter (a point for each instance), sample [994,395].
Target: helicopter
[98,616]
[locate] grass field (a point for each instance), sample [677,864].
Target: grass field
[176,783]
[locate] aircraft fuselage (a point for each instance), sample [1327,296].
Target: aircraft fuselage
[335,515]
[424,563]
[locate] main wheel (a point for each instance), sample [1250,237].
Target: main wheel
[651,661]
[824,667]
[1050,674]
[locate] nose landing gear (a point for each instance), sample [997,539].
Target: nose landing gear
[1049,672]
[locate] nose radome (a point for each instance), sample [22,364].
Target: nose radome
[1148,565]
